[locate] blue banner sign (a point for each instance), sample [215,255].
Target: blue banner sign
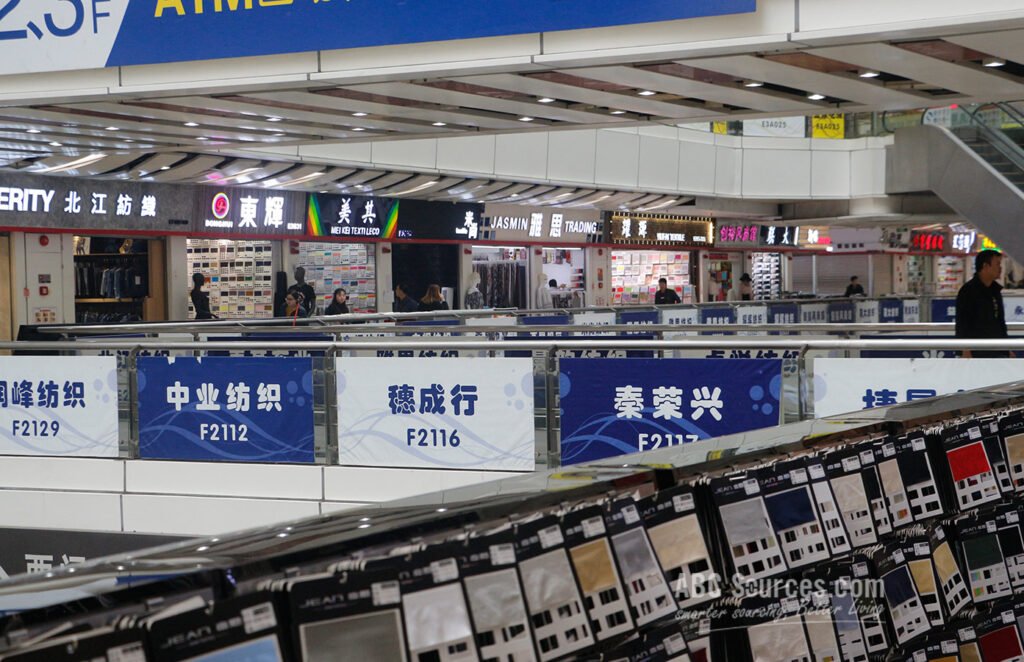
[614,407]
[226,409]
[782,313]
[639,317]
[943,310]
[46,34]
[890,311]
[721,315]
[841,312]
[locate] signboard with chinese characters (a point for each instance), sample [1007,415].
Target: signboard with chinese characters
[351,217]
[446,221]
[814,236]
[963,242]
[34,551]
[248,212]
[226,409]
[662,230]
[783,313]
[828,127]
[813,313]
[619,406]
[74,203]
[850,385]
[841,312]
[745,235]
[780,236]
[890,311]
[462,413]
[929,241]
[57,36]
[64,406]
[515,223]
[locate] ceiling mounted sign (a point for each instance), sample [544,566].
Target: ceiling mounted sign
[52,35]
[517,223]
[662,230]
[352,217]
[248,212]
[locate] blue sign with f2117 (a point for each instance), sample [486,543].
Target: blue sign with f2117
[615,407]
[226,409]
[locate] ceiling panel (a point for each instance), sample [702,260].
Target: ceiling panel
[187,169]
[969,81]
[857,90]
[1008,45]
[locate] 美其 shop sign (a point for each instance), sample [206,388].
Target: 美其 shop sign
[662,230]
[57,36]
[930,241]
[730,234]
[249,212]
[351,216]
[444,221]
[512,223]
[71,203]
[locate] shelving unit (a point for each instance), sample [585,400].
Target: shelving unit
[112,277]
[949,274]
[351,266]
[766,274]
[239,276]
[566,266]
[635,275]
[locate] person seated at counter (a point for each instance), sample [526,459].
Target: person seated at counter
[292,305]
[665,296]
[854,289]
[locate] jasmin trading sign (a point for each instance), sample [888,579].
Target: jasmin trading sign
[513,223]
[662,230]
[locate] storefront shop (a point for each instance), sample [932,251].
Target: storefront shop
[535,246]
[736,253]
[654,246]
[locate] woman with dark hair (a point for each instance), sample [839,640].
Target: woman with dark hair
[200,299]
[292,305]
[339,303]
[433,300]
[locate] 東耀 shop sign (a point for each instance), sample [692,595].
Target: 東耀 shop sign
[662,230]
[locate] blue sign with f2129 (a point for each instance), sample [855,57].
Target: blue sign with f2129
[615,407]
[226,409]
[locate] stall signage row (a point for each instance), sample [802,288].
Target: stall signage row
[662,230]
[511,223]
[45,36]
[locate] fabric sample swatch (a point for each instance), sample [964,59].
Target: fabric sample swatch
[779,641]
[264,649]
[790,509]
[547,581]
[679,542]
[968,461]
[428,627]
[745,522]
[1003,644]
[495,599]
[593,563]
[354,638]
[924,579]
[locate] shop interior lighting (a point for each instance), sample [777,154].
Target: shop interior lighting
[814,96]
[77,163]
[416,189]
[869,73]
[113,128]
[647,93]
[524,118]
[993,62]
[279,135]
[192,124]
[302,180]
[753,83]
[545,100]
[205,138]
[440,123]
[618,112]
[359,114]
[33,131]
[56,144]
[358,128]
[273,119]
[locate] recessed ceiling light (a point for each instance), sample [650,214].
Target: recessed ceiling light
[993,62]
[128,140]
[440,124]
[524,118]
[33,131]
[113,128]
[545,100]
[647,93]
[753,83]
[166,168]
[869,73]
[273,119]
[359,114]
[618,112]
[358,128]
[279,135]
[816,97]
[202,138]
[56,144]
[191,124]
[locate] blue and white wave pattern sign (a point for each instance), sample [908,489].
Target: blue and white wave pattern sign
[615,407]
[454,413]
[58,405]
[226,409]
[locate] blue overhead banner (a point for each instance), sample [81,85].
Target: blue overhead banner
[47,35]
[618,406]
[226,409]
[841,312]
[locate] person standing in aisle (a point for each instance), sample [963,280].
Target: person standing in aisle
[979,305]
[854,289]
[542,298]
[665,296]
[339,303]
[200,299]
[403,302]
[433,300]
[744,292]
[292,306]
[308,293]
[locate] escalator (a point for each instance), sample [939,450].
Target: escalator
[977,168]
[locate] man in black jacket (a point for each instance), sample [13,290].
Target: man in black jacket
[306,290]
[665,296]
[979,304]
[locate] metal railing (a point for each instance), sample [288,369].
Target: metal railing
[546,353]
